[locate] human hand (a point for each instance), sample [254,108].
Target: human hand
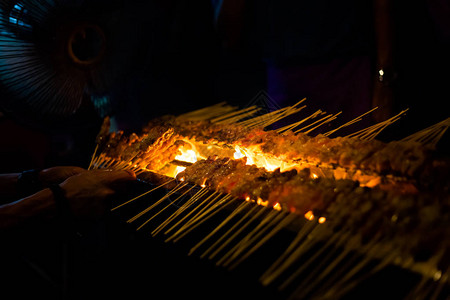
[88,192]
[56,175]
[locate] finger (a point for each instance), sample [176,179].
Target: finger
[58,174]
[74,170]
[111,178]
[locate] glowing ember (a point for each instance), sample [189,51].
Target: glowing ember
[179,170]
[322,220]
[260,201]
[309,215]
[204,183]
[277,206]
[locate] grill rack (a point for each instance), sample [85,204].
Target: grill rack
[411,276]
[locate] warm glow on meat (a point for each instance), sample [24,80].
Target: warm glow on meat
[254,164]
[362,193]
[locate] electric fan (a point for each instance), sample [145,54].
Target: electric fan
[57,55]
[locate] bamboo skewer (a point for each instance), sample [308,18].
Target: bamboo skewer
[180,210]
[235,116]
[259,237]
[204,211]
[296,124]
[351,122]
[93,156]
[302,250]
[422,291]
[177,188]
[253,235]
[371,132]
[237,232]
[272,117]
[285,222]
[208,112]
[224,117]
[199,209]
[214,194]
[325,266]
[351,263]
[431,135]
[222,204]
[260,120]
[331,118]
[441,283]
[208,211]
[240,234]
[344,286]
[226,234]
[216,229]
[142,195]
[289,111]
[280,264]
[163,209]
[320,121]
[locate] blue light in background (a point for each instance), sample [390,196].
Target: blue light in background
[16,15]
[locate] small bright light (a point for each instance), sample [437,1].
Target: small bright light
[313,175]
[187,156]
[381,72]
[241,153]
[203,185]
[437,275]
[322,220]
[271,165]
[277,206]
[260,201]
[238,154]
[178,170]
[309,215]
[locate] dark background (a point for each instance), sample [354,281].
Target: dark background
[168,58]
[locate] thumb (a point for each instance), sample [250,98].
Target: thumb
[113,177]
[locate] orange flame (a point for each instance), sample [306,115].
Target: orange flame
[187,155]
